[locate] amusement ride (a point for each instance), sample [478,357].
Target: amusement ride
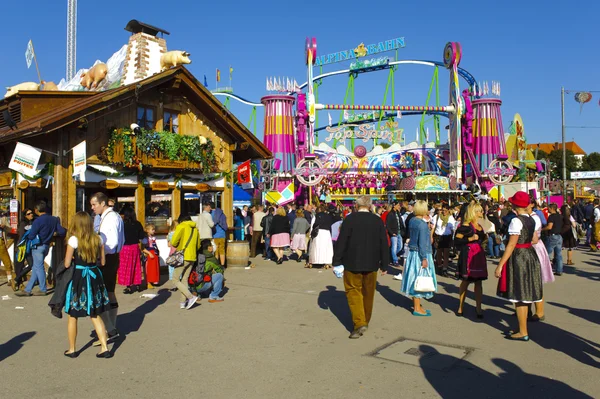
[325,167]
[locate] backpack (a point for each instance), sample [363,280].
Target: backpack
[197,276]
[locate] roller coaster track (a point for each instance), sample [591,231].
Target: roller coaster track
[466,75]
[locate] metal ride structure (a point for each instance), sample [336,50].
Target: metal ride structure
[475,150]
[71,39]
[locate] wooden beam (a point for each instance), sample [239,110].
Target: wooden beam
[140,202]
[176,203]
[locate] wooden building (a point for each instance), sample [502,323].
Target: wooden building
[185,153]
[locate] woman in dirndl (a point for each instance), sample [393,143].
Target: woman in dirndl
[279,233]
[86,294]
[321,244]
[130,263]
[568,233]
[419,260]
[299,230]
[472,265]
[519,272]
[545,263]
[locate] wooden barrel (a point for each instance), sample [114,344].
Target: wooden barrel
[238,253]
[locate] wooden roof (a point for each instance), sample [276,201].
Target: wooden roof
[195,92]
[549,147]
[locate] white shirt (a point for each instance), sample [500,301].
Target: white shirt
[538,224]
[448,229]
[515,226]
[596,215]
[110,227]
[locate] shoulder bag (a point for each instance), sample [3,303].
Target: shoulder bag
[177,258]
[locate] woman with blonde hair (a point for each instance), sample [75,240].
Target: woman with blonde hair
[419,259]
[280,233]
[86,294]
[472,265]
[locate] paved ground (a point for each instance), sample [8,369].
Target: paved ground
[282,333]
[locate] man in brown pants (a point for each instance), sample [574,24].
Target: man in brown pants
[362,249]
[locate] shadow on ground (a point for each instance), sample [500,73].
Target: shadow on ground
[13,345]
[337,304]
[468,380]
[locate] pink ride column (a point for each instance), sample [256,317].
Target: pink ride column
[279,129]
[488,132]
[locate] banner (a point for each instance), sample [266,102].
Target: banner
[585,175]
[79,158]
[245,175]
[29,54]
[25,159]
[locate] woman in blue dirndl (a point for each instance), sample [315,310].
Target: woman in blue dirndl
[86,294]
[420,259]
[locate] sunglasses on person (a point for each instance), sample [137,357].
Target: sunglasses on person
[29,213]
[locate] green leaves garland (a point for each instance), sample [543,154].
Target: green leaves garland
[171,146]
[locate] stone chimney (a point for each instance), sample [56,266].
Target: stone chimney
[143,52]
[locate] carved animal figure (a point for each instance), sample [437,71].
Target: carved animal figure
[11,91]
[49,86]
[92,78]
[174,58]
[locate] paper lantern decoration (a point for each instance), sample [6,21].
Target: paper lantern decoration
[583,97]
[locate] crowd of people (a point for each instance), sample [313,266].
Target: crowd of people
[423,239]
[525,236]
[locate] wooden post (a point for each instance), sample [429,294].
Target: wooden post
[140,201]
[71,195]
[176,203]
[227,197]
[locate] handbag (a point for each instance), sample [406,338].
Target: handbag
[177,258]
[424,281]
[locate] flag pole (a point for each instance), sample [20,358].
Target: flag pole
[36,63]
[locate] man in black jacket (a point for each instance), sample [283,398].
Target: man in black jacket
[363,249]
[266,225]
[395,228]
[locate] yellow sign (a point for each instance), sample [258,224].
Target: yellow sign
[202,187]
[109,184]
[160,186]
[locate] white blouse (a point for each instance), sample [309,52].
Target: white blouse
[515,226]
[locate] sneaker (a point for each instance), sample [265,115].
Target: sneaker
[398,276]
[216,300]
[23,293]
[40,293]
[191,302]
[182,305]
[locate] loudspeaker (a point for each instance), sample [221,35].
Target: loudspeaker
[266,167]
[8,119]
[276,164]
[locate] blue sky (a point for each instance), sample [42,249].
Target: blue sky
[532,48]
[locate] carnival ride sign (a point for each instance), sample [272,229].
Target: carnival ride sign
[366,132]
[360,51]
[500,171]
[585,175]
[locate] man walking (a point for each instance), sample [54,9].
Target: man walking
[109,225]
[206,223]
[363,249]
[45,227]
[257,230]
[554,239]
[394,224]
[220,234]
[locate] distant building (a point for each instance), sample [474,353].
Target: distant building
[549,147]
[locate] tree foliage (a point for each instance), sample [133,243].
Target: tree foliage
[591,162]
[556,159]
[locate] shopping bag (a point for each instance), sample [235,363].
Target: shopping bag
[424,281]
